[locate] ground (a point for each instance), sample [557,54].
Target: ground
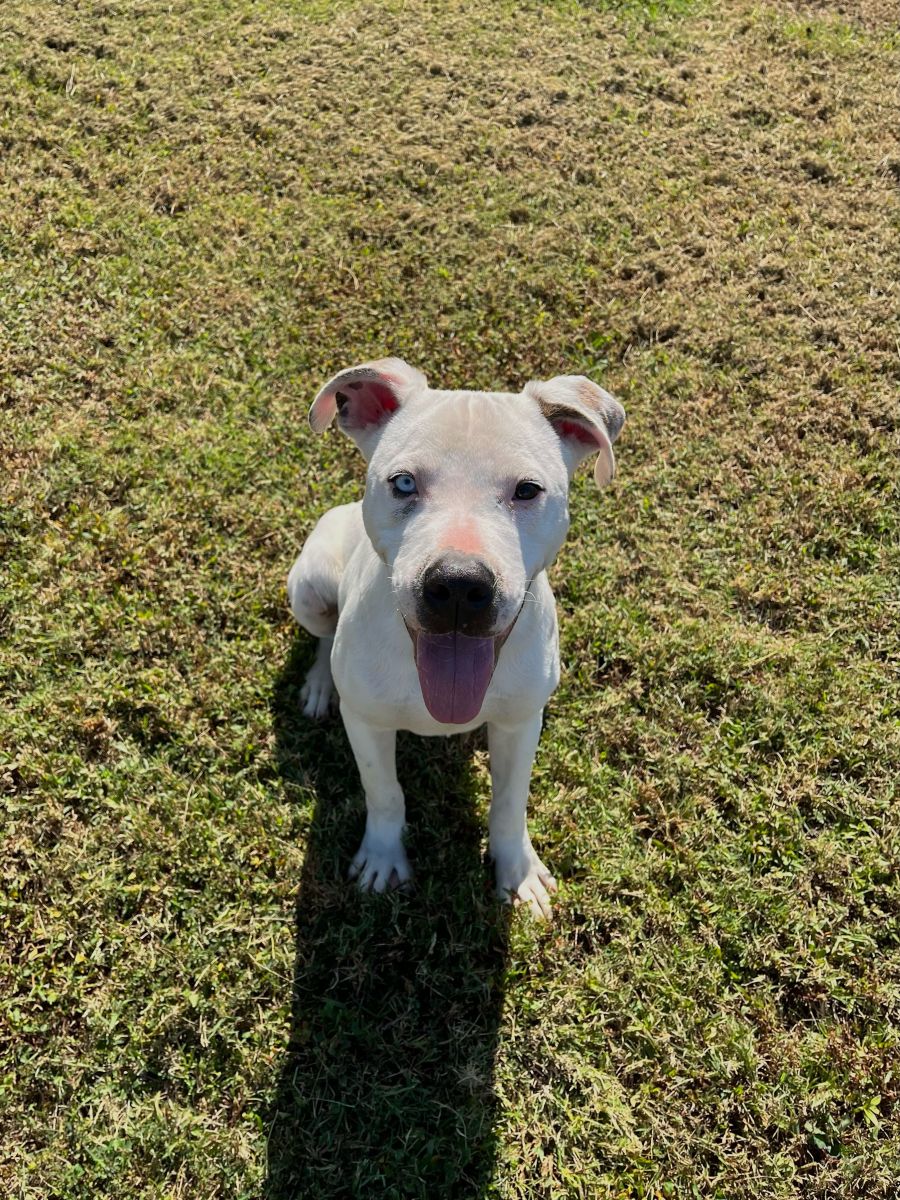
[207,208]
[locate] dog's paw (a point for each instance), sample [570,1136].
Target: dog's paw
[523,879]
[317,694]
[380,864]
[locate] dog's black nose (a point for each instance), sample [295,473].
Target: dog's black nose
[458,593]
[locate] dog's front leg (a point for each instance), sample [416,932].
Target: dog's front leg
[521,876]
[381,860]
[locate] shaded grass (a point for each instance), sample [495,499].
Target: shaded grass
[386,1084]
[207,209]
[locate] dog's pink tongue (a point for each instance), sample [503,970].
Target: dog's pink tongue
[454,673]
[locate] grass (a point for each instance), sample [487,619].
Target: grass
[209,207]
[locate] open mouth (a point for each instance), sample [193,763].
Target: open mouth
[455,671]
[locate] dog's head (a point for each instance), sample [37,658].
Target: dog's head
[466,502]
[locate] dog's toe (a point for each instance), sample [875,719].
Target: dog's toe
[523,880]
[316,697]
[533,892]
[378,868]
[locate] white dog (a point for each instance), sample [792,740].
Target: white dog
[430,596]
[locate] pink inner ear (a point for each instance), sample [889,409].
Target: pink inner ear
[574,429]
[361,404]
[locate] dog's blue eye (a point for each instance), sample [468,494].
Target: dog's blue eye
[404,485]
[526,490]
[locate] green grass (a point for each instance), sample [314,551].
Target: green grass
[209,207]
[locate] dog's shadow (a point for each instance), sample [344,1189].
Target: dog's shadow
[386,1088]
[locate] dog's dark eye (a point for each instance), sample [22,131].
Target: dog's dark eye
[404,484]
[526,490]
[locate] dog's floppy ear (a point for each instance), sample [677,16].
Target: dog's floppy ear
[364,398]
[587,419]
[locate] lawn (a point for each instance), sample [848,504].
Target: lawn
[206,208]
